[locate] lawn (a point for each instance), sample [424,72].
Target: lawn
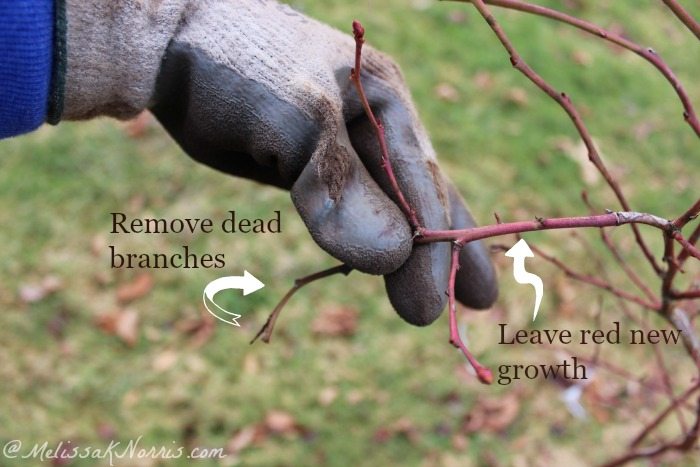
[92,354]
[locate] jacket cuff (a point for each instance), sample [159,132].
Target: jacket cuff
[26,48]
[58,69]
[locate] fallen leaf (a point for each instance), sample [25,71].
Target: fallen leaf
[581,57]
[405,427]
[98,245]
[459,442]
[251,365]
[483,80]
[327,395]
[446,92]
[106,432]
[121,323]
[140,286]
[57,324]
[199,329]
[402,427]
[280,422]
[164,361]
[62,455]
[354,397]
[643,129]
[457,16]
[336,321]
[382,435]
[517,96]
[243,438]
[33,293]
[492,415]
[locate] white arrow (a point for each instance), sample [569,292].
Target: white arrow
[519,252]
[248,283]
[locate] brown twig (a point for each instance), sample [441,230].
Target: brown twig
[687,295]
[693,240]
[684,444]
[596,281]
[265,331]
[689,215]
[684,16]
[612,248]
[675,404]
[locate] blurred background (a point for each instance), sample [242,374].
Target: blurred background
[92,354]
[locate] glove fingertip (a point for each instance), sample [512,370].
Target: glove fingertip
[348,215]
[417,289]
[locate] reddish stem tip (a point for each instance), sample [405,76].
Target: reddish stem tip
[357,30]
[484,374]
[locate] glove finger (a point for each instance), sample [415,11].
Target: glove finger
[417,289]
[347,213]
[475,285]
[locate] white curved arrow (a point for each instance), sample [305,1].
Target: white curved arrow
[519,252]
[248,283]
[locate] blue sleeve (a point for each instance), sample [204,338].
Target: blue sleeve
[26,49]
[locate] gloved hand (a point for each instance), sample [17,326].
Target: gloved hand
[257,90]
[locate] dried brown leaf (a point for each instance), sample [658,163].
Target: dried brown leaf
[492,415]
[122,323]
[336,321]
[483,80]
[518,97]
[280,422]
[446,92]
[140,286]
[327,395]
[35,292]
[243,438]
[582,57]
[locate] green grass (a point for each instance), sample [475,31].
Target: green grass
[58,186]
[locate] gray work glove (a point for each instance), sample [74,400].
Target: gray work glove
[257,90]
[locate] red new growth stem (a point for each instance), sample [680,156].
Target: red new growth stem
[484,374]
[359,33]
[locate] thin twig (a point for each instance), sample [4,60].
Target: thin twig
[688,216]
[693,240]
[596,281]
[684,444]
[484,374]
[684,16]
[672,407]
[359,34]
[687,295]
[612,248]
[266,330]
